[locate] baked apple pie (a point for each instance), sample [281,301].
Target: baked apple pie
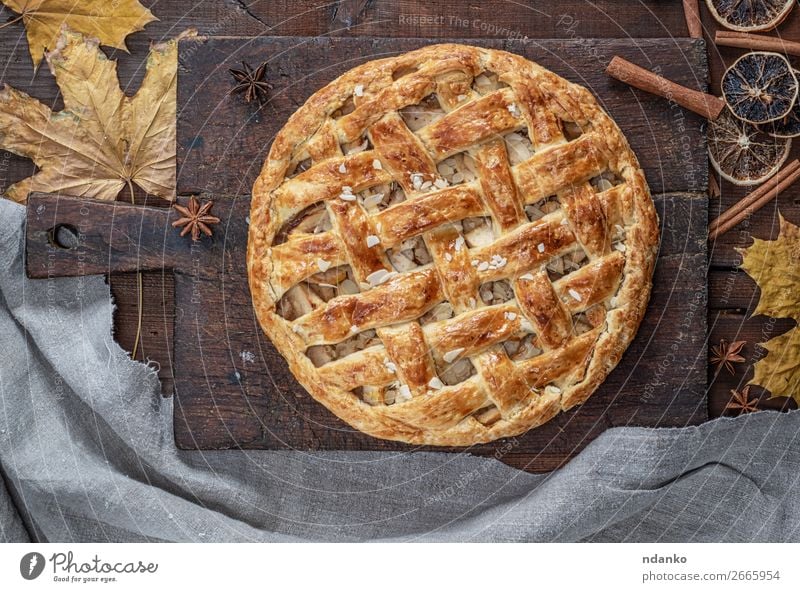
[451,246]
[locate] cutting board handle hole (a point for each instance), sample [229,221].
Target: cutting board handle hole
[63,236]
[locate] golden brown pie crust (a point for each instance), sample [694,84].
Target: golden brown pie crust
[615,226]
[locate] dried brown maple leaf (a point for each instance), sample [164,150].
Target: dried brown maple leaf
[195,218]
[775,267]
[103,139]
[727,354]
[741,401]
[109,21]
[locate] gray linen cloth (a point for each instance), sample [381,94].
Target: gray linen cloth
[87,454]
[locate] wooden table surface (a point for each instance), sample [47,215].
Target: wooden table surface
[732,295]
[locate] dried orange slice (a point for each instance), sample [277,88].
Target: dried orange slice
[787,126]
[750,15]
[743,154]
[760,86]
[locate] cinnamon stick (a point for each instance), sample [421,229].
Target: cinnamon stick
[713,185]
[755,200]
[698,102]
[692,14]
[756,42]
[756,194]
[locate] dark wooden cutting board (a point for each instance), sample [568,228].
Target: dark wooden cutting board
[233,390]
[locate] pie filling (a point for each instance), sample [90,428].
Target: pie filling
[412,253]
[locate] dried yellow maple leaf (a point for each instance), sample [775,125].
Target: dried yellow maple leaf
[779,372]
[103,139]
[110,21]
[775,267]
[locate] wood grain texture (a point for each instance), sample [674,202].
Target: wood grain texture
[234,390]
[240,393]
[225,150]
[755,330]
[432,18]
[158,319]
[572,19]
[115,237]
[575,19]
[247,397]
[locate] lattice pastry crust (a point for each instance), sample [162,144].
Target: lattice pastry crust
[451,246]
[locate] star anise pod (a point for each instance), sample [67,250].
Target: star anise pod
[195,218]
[727,354]
[740,400]
[252,82]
